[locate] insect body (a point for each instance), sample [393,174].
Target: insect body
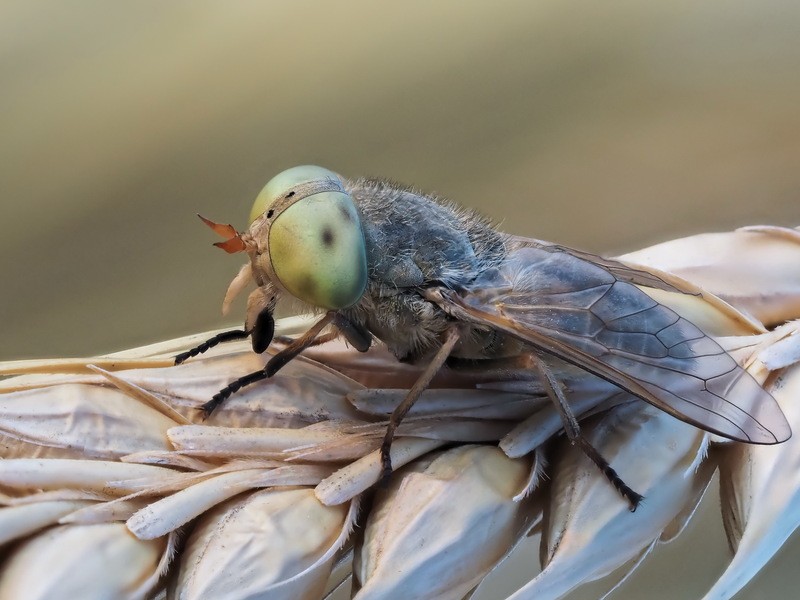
[432,281]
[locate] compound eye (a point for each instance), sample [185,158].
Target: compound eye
[316,246]
[277,187]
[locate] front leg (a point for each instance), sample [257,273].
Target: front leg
[261,332]
[356,335]
[225,336]
[259,325]
[273,365]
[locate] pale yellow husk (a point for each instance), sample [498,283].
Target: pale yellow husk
[286,543]
[82,561]
[760,485]
[462,503]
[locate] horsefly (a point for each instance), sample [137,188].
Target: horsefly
[438,285]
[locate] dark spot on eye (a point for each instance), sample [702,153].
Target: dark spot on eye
[270,212]
[307,287]
[346,214]
[327,237]
[290,194]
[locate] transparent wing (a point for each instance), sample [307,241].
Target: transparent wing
[620,270]
[586,314]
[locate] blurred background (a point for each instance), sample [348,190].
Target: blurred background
[606,126]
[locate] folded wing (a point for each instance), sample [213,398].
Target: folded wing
[587,314]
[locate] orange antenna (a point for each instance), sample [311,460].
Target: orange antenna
[226,231]
[232,246]
[233,243]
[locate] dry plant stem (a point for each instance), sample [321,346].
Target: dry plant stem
[272,367]
[451,337]
[573,432]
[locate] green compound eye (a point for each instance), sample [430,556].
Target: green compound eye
[278,185]
[316,245]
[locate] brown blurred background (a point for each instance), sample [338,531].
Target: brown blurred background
[607,126]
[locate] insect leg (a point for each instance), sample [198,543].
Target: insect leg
[356,335]
[261,333]
[306,340]
[263,330]
[287,340]
[573,431]
[451,337]
[272,367]
[225,336]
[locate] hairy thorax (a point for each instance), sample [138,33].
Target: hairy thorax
[416,242]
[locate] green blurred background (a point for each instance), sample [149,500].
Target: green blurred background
[606,126]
